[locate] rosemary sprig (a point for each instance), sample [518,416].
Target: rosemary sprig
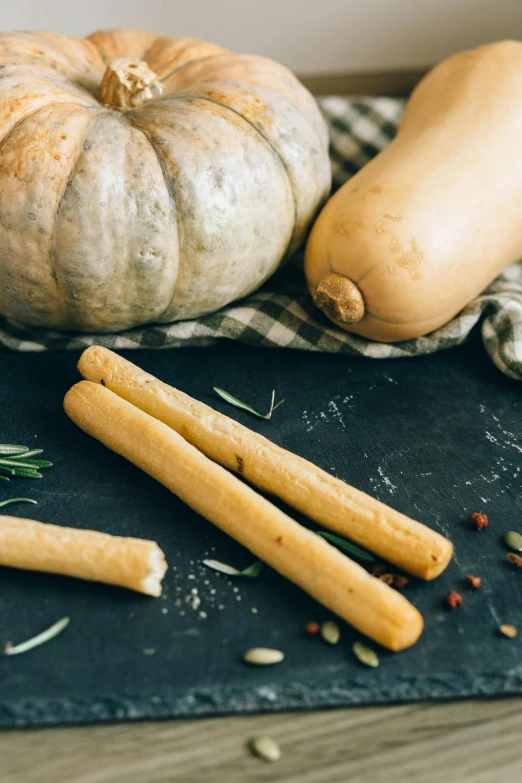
[8,448]
[31,453]
[352,549]
[21,472]
[36,641]
[251,572]
[238,404]
[14,461]
[16,500]
[31,463]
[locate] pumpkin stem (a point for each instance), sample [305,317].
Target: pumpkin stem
[339,298]
[127,84]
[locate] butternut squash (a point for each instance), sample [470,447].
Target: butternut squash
[424,227]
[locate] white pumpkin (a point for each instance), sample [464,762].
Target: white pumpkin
[147,179]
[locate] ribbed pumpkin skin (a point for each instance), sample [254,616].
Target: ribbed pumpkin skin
[113,219]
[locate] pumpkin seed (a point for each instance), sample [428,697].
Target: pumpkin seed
[263,656]
[330,632]
[508,630]
[266,748]
[365,654]
[513,540]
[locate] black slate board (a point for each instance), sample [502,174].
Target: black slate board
[435,436]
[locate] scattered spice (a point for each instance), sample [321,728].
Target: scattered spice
[36,641]
[475,581]
[513,540]
[453,599]
[514,559]
[251,572]
[394,580]
[330,632]
[378,569]
[508,630]
[238,404]
[478,519]
[312,628]
[266,748]
[263,656]
[365,654]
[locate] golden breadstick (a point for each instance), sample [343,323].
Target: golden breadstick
[343,586]
[85,554]
[328,500]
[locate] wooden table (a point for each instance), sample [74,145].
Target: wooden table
[462,742]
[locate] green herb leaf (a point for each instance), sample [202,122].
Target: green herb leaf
[251,572]
[238,404]
[33,463]
[14,460]
[16,463]
[26,473]
[36,641]
[352,549]
[8,448]
[17,500]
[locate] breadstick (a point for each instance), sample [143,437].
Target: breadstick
[343,586]
[328,500]
[85,554]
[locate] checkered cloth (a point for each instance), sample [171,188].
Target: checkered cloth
[281,314]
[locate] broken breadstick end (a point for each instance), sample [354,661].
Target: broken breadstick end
[133,563]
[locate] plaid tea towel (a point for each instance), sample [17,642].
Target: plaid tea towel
[281,314]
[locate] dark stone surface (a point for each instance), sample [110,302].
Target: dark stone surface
[436,437]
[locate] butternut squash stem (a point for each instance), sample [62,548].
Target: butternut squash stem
[339,298]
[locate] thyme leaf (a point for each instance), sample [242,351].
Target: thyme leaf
[251,572]
[238,404]
[352,549]
[38,640]
[16,500]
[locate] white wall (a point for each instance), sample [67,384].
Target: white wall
[310,36]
